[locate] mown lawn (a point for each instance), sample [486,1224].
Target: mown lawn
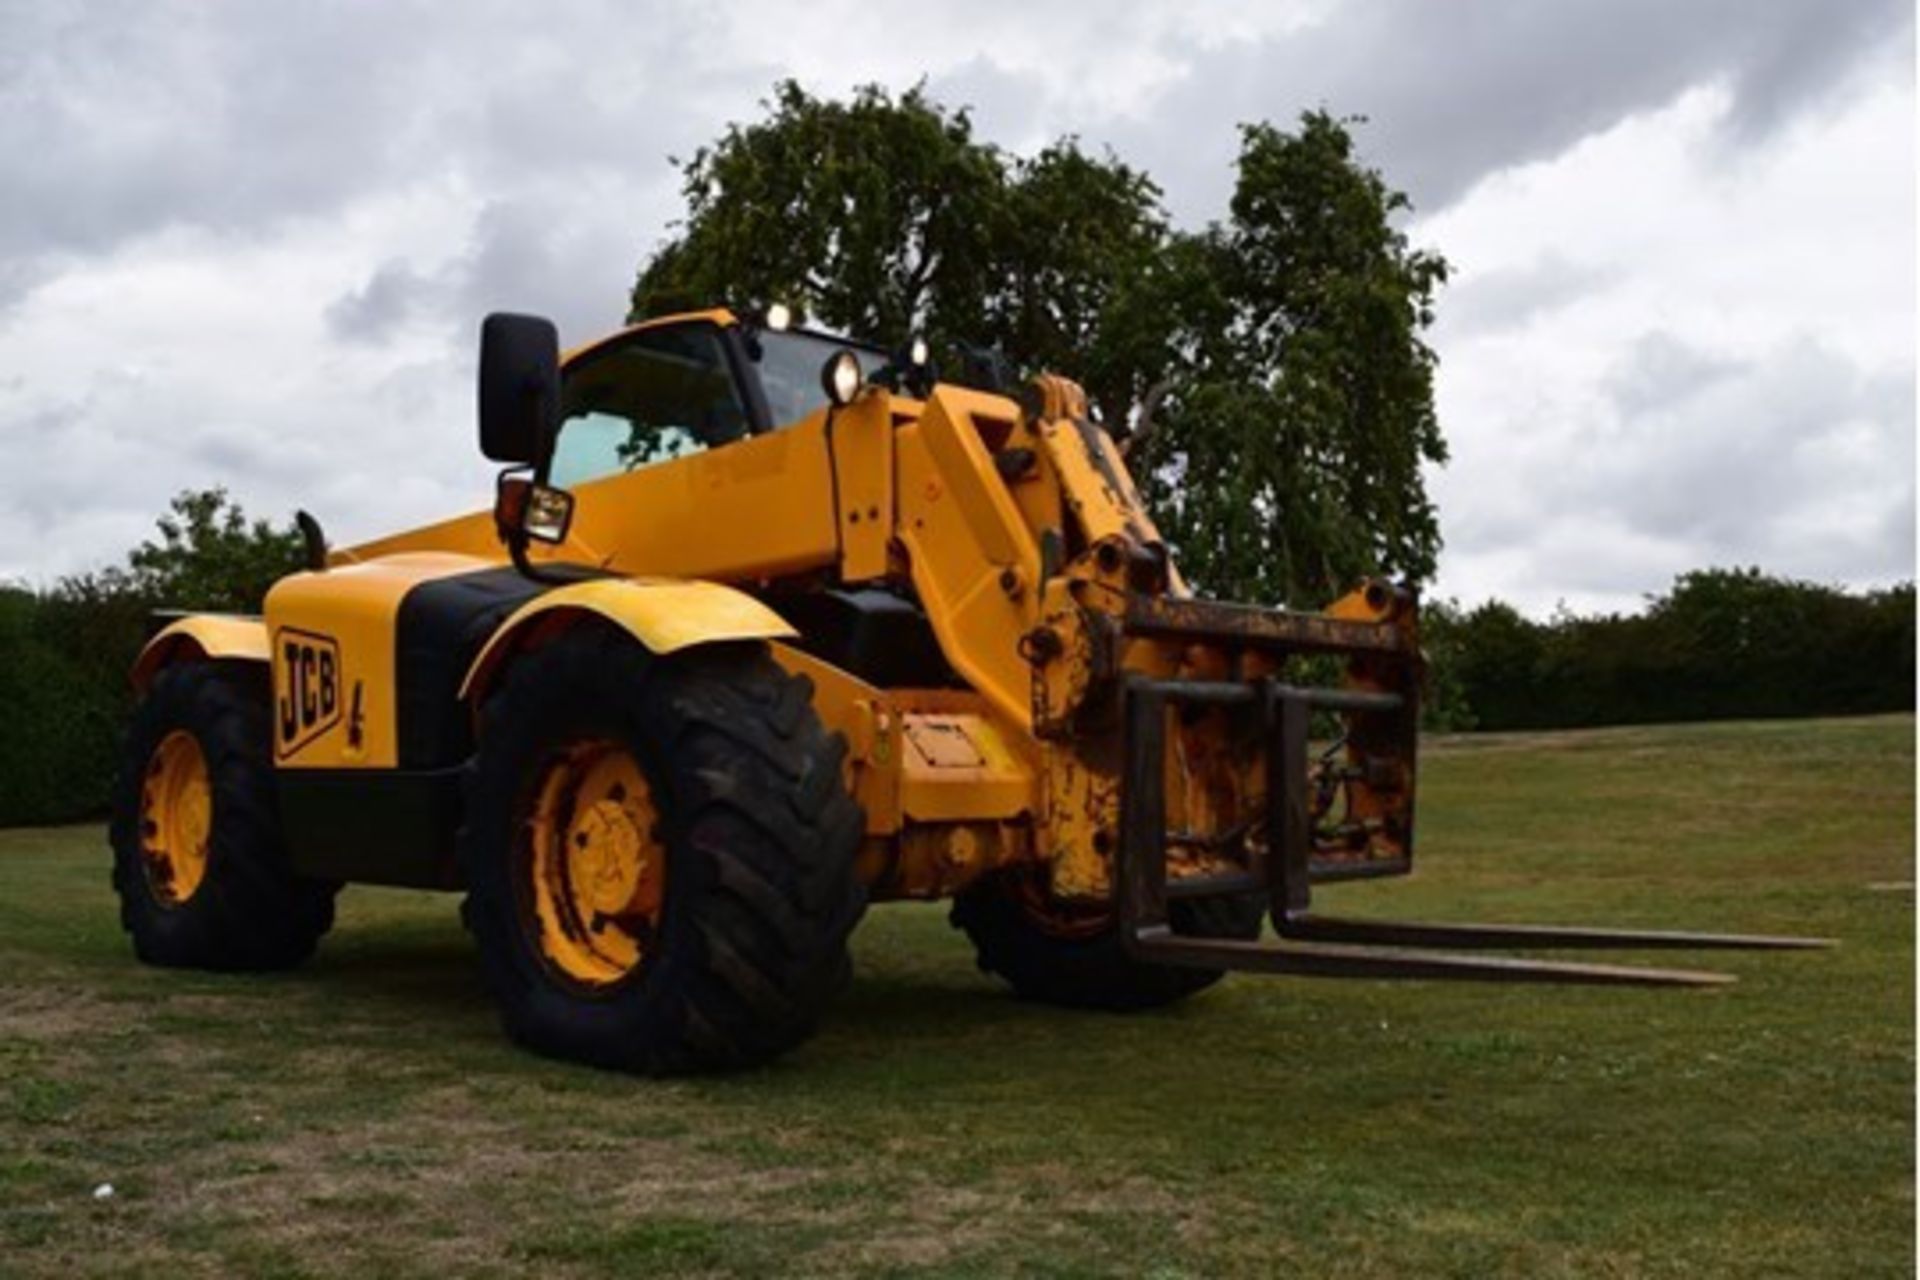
[362,1116]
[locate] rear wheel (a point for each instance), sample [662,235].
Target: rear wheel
[659,854]
[1056,955]
[198,860]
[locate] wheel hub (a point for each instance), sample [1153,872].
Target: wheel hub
[609,856]
[176,817]
[597,869]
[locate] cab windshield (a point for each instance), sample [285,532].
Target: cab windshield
[657,395]
[665,393]
[789,367]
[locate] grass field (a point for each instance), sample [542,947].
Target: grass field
[362,1116]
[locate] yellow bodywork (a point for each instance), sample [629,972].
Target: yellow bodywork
[1015,527]
[761,507]
[201,637]
[663,614]
[332,644]
[949,790]
[973,555]
[331,640]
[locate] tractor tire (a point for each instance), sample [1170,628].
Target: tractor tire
[659,855]
[198,859]
[1086,967]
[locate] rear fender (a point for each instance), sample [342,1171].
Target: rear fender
[664,615]
[198,638]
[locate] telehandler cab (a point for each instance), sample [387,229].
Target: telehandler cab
[763,626]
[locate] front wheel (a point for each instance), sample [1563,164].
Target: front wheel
[659,854]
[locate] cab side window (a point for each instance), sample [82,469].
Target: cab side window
[657,395]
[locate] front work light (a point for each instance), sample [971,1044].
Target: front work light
[840,377]
[549,513]
[779,317]
[538,511]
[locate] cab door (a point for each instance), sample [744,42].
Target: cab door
[659,445]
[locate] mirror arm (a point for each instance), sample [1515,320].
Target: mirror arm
[517,552]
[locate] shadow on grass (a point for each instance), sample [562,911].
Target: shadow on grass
[923,1006]
[430,981]
[417,974]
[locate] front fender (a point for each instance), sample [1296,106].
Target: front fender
[663,614]
[199,637]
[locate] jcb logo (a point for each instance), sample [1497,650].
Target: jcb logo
[307,689]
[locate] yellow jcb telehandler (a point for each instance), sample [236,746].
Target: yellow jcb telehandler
[765,625]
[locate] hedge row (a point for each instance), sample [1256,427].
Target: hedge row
[1721,644]
[65,705]
[65,652]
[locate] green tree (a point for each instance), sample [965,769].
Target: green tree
[1496,653]
[1079,236]
[208,556]
[1281,349]
[1443,701]
[65,652]
[875,216]
[1300,413]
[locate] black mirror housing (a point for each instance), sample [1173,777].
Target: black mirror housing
[519,387]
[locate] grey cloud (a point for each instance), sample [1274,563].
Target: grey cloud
[519,259]
[143,116]
[525,254]
[1509,298]
[1801,461]
[265,453]
[1454,92]
[139,117]
[1005,106]
[1805,53]
[578,272]
[393,294]
[122,120]
[19,278]
[1660,371]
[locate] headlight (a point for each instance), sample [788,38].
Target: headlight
[840,377]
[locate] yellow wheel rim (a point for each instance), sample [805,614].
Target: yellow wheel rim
[176,817]
[597,866]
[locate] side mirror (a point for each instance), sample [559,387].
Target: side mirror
[524,507]
[519,387]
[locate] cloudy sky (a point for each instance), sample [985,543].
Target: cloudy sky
[249,244]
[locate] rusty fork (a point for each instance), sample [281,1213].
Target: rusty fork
[1330,946]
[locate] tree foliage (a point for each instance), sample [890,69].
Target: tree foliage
[208,556]
[65,652]
[874,216]
[1282,346]
[1301,411]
